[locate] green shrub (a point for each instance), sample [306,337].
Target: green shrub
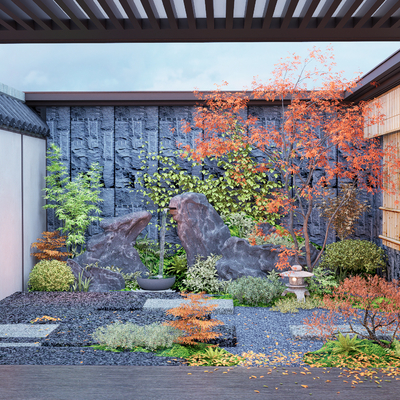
[49,276]
[323,281]
[130,279]
[292,305]
[203,276]
[149,254]
[223,192]
[128,336]
[254,291]
[353,257]
[239,224]
[177,266]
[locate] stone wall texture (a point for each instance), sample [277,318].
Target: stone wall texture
[116,137]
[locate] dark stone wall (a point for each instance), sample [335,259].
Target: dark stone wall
[115,137]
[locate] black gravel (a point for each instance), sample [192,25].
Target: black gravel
[258,330]
[80,315]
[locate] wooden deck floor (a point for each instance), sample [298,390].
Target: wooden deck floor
[177,383]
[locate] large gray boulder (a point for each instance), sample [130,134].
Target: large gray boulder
[115,245]
[200,228]
[239,258]
[101,280]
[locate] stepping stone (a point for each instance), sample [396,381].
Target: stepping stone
[224,306]
[301,332]
[26,330]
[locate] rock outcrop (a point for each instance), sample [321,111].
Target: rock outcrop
[101,280]
[200,228]
[115,245]
[239,258]
[203,232]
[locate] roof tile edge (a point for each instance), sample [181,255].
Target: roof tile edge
[14,93]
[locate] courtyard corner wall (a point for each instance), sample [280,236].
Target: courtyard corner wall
[22,171]
[22,217]
[389,131]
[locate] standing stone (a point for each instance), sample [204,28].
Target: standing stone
[115,245]
[200,228]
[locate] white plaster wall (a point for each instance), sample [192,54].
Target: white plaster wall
[10,213]
[34,167]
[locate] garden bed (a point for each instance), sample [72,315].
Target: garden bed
[258,330]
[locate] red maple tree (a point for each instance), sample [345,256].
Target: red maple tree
[372,303]
[299,148]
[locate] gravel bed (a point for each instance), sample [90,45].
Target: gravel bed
[257,329]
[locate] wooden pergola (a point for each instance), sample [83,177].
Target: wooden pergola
[108,21]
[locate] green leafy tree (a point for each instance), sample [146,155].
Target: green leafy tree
[236,190]
[74,201]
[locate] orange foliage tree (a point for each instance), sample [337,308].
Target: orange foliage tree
[50,247]
[299,148]
[193,319]
[371,302]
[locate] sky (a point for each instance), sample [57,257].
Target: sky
[165,66]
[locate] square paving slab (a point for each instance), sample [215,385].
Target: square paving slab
[10,344]
[26,330]
[224,306]
[301,332]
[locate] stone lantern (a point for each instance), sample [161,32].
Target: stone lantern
[296,282]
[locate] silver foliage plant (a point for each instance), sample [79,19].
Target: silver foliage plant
[252,291]
[241,224]
[203,276]
[128,336]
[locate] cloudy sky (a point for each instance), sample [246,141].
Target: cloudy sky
[183,66]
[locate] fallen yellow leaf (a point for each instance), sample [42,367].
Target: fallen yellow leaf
[304,386]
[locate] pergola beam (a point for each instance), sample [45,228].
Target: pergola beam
[100,25]
[27,25]
[80,24]
[269,13]
[32,15]
[110,21]
[107,9]
[150,14]
[63,25]
[130,14]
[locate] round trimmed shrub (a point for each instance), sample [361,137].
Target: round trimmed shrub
[353,257]
[255,291]
[50,276]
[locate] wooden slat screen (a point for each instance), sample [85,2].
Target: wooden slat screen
[390,102]
[390,130]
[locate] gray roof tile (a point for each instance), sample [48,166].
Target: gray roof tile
[17,115]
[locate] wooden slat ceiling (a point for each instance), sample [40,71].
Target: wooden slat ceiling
[107,21]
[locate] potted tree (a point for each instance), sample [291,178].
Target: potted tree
[158,282]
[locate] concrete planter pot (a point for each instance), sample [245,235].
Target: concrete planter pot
[156,283]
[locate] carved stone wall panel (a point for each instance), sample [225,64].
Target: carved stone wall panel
[136,136]
[59,121]
[92,140]
[107,210]
[171,120]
